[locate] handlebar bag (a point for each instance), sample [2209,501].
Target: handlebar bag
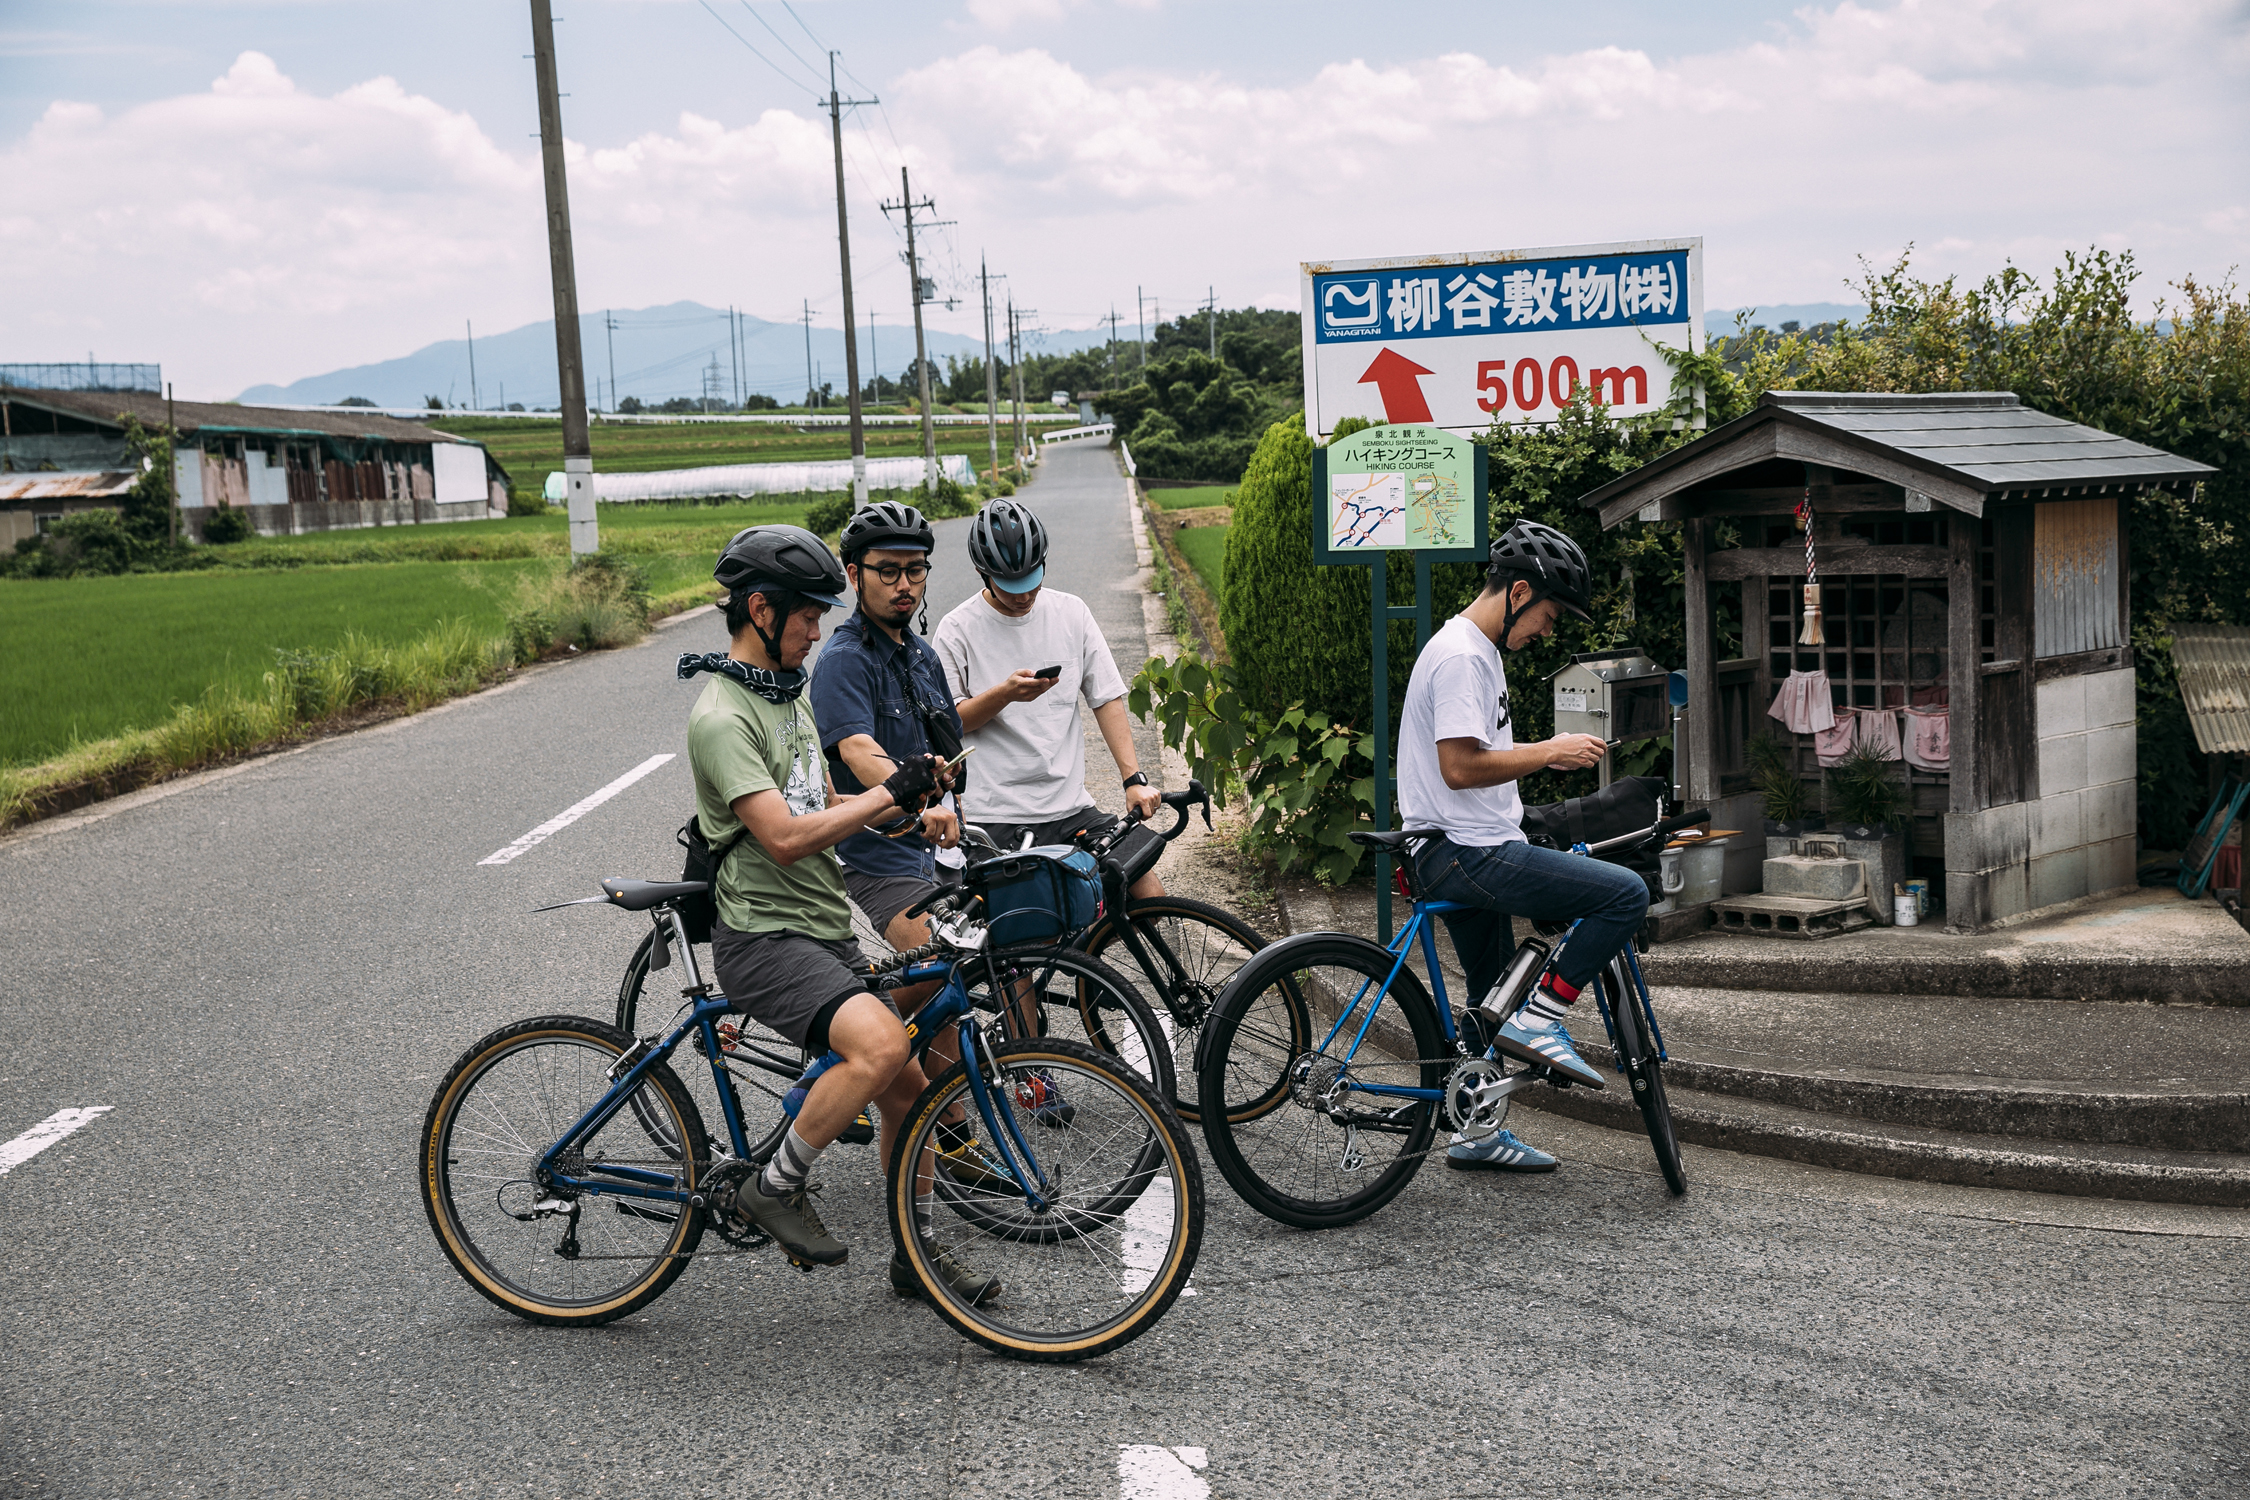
[1622,807]
[1047,894]
[1136,851]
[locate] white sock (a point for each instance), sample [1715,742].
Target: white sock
[1543,1011]
[791,1165]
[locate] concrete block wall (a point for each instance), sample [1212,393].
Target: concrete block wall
[2076,838]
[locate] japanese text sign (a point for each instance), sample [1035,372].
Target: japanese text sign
[1399,488]
[1462,341]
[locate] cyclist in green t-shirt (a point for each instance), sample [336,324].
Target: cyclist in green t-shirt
[782,944]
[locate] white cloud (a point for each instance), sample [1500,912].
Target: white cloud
[259,231]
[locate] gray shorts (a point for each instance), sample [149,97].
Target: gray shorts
[882,897]
[792,983]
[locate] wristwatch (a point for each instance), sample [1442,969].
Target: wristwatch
[1138,778]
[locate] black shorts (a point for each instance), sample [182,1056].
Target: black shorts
[1063,830]
[880,898]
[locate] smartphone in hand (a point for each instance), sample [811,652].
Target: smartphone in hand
[1050,673]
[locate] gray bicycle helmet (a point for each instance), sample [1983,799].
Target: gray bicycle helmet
[1553,564]
[1009,546]
[788,559]
[887,523]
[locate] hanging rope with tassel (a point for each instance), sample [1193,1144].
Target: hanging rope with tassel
[1811,634]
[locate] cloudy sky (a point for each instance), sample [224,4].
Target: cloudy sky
[258,191]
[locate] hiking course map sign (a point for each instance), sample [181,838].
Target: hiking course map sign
[1462,341]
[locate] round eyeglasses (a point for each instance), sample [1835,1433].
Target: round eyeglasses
[913,572]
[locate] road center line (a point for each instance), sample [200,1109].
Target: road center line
[572,814]
[44,1134]
[1146,1471]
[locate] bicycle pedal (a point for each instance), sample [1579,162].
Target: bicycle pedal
[805,1266]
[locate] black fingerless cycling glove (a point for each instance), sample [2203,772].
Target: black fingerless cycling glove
[911,782]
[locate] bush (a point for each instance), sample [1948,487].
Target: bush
[948,502]
[826,516]
[226,524]
[601,602]
[527,503]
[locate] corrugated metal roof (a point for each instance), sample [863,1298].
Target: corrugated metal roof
[100,486]
[218,416]
[1967,443]
[2213,663]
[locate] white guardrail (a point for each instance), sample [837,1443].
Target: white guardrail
[1131,472]
[1072,434]
[820,477]
[786,419]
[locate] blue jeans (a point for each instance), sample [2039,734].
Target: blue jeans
[1519,880]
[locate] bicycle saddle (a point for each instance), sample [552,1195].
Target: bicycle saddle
[640,895]
[1396,838]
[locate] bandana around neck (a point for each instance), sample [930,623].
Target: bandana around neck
[774,687]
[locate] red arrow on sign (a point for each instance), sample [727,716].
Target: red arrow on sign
[1398,379]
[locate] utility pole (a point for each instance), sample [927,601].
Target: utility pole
[991,375]
[1211,319]
[734,356]
[1113,343]
[172,457]
[1015,359]
[1140,319]
[471,325]
[609,333]
[907,205]
[812,392]
[578,452]
[851,325]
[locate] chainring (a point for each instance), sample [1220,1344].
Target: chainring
[1472,1116]
[719,1188]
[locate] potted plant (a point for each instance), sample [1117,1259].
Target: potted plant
[1780,789]
[1874,804]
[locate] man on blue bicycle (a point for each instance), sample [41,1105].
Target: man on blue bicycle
[782,943]
[1458,765]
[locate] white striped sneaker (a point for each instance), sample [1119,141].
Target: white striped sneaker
[1550,1045]
[1500,1152]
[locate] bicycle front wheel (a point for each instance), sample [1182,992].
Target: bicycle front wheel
[1110,1245]
[1295,1132]
[1062,994]
[568,1256]
[1179,954]
[1644,1070]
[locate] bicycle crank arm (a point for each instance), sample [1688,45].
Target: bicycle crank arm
[1397,1121]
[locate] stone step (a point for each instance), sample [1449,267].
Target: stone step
[1921,1153]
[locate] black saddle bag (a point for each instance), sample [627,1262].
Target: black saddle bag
[697,913]
[1622,807]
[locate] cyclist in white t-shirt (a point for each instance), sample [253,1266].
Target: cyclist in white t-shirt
[1021,658]
[1458,764]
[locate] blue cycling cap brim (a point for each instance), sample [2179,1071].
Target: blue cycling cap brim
[1023,585]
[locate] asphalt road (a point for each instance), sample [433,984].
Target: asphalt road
[225,1285]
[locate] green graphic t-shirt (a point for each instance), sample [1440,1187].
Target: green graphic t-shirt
[738,743]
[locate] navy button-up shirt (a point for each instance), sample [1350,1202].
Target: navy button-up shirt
[865,683]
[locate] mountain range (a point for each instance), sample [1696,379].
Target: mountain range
[656,352]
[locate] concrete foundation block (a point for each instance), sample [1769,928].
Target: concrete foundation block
[2062,764]
[2110,755]
[1981,840]
[2056,824]
[2062,706]
[2109,699]
[2110,864]
[1815,879]
[2057,877]
[2110,812]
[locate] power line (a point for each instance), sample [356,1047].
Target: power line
[777,36]
[754,52]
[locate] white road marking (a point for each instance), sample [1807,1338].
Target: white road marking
[1148,1472]
[44,1134]
[572,814]
[1147,1237]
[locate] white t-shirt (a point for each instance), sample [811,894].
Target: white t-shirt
[1459,691]
[1030,764]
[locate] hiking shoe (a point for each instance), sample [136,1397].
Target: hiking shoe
[860,1132]
[791,1221]
[1551,1046]
[969,1165]
[1042,1097]
[1497,1153]
[967,1285]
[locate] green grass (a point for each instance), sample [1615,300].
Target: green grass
[90,658]
[530,450]
[1205,548]
[1194,498]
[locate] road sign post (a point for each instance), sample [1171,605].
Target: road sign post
[1412,489]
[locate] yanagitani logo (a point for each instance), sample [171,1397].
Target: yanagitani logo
[1351,304]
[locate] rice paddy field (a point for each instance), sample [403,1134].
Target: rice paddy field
[1192,497]
[1205,548]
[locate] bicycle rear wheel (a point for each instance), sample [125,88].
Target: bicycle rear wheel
[1292,1137]
[595,1258]
[1110,1250]
[1188,952]
[1644,1070]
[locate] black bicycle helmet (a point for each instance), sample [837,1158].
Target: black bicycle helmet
[887,523]
[1550,562]
[1008,545]
[787,558]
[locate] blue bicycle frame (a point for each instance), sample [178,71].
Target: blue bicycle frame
[616,1179]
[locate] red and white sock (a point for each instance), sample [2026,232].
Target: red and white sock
[1548,1006]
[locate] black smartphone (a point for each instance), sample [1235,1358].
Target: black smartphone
[1049,672]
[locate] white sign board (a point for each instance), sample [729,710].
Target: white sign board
[1462,341]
